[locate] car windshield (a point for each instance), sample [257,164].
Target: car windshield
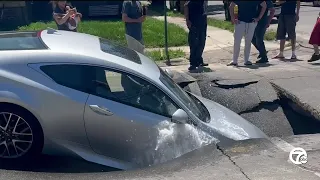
[192,103]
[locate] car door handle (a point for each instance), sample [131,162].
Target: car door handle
[101,110]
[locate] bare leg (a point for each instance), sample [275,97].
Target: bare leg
[316,49]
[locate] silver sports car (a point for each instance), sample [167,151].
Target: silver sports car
[74,94]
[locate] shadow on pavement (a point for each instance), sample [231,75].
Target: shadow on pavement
[300,124]
[256,66]
[201,70]
[315,64]
[291,60]
[55,164]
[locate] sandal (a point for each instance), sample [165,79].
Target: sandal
[232,64]
[278,57]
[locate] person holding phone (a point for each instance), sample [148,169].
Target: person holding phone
[245,24]
[133,15]
[65,16]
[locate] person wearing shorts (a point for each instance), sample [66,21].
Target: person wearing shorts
[288,18]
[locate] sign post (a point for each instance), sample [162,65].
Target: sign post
[166,34]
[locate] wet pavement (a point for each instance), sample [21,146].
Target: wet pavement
[251,159]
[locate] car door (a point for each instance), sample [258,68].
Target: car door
[124,115]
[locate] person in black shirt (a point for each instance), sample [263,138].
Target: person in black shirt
[245,24]
[288,19]
[64,14]
[258,37]
[196,17]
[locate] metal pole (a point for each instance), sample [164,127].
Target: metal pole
[166,34]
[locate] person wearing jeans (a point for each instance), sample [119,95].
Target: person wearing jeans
[245,24]
[258,37]
[195,13]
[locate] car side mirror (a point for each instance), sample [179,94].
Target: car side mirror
[180,117]
[169,72]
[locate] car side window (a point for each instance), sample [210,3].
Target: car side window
[131,90]
[69,75]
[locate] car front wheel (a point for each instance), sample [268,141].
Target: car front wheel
[21,135]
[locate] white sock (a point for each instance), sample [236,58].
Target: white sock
[293,53]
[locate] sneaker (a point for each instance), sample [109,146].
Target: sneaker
[191,68]
[232,64]
[262,60]
[314,57]
[260,55]
[248,63]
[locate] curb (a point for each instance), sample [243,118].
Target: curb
[304,107]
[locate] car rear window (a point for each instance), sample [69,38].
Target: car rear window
[118,50]
[21,41]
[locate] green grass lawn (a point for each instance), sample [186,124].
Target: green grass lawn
[174,13]
[153,31]
[226,25]
[160,55]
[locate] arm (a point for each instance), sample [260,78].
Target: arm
[272,12]
[263,10]
[125,18]
[232,15]
[280,2]
[298,7]
[186,13]
[61,19]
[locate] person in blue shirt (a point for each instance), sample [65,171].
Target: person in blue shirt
[133,15]
[258,37]
[288,19]
[249,14]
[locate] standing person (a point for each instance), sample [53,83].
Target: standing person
[245,24]
[288,19]
[195,13]
[258,37]
[226,5]
[65,16]
[133,15]
[315,41]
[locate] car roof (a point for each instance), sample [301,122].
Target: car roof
[72,47]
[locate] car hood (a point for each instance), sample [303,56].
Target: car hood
[225,123]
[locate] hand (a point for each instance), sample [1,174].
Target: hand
[70,12]
[79,14]
[256,20]
[142,19]
[189,24]
[235,21]
[268,25]
[297,18]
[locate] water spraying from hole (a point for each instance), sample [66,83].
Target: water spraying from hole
[173,141]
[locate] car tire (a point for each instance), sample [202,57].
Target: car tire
[20,148]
